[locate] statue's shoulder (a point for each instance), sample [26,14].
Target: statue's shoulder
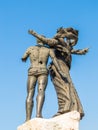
[32,47]
[46,47]
[51,49]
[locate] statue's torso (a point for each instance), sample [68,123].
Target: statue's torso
[38,58]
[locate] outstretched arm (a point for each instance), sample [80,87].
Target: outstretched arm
[48,41]
[80,51]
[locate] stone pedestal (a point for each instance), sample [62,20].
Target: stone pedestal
[68,121]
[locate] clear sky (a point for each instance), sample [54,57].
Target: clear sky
[45,16]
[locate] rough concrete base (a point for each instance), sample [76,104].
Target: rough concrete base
[68,121]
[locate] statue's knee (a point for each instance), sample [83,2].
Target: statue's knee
[29,99]
[42,85]
[40,89]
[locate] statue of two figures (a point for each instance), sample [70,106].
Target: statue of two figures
[60,48]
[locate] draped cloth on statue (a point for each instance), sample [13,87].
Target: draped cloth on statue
[68,99]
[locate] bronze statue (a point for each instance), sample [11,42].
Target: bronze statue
[68,99]
[38,72]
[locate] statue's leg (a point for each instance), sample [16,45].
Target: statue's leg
[42,83]
[30,93]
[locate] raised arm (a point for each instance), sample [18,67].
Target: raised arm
[48,41]
[80,51]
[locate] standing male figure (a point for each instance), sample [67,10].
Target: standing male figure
[38,72]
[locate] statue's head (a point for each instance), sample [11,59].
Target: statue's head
[68,33]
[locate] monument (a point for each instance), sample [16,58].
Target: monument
[70,109]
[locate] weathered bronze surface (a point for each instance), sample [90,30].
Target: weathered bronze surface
[68,99]
[38,72]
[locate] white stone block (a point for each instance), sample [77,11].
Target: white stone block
[67,121]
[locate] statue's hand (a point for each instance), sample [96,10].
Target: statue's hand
[23,59]
[30,31]
[86,50]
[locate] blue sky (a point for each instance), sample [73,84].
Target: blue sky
[16,17]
